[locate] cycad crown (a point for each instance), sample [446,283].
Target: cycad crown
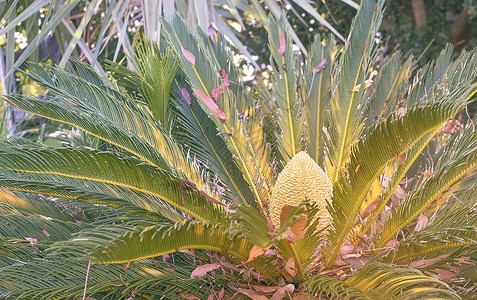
[301,179]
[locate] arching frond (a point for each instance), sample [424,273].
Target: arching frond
[109,116]
[390,87]
[381,281]
[285,82]
[36,227]
[371,155]
[109,168]
[245,138]
[317,93]
[348,100]
[200,134]
[455,164]
[121,244]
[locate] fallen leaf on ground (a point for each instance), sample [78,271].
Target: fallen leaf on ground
[283,292]
[248,293]
[201,271]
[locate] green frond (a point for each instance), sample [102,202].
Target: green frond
[245,138]
[65,279]
[154,74]
[36,227]
[27,204]
[390,87]
[380,281]
[429,242]
[108,168]
[396,178]
[348,102]
[448,228]
[200,134]
[107,115]
[455,164]
[252,224]
[285,82]
[14,251]
[125,243]
[317,92]
[331,288]
[371,155]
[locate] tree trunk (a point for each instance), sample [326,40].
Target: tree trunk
[419,10]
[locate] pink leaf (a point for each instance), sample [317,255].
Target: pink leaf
[201,271]
[46,232]
[212,34]
[320,66]
[186,95]
[283,42]
[221,293]
[215,94]
[189,56]
[211,297]
[70,102]
[225,77]
[421,222]
[211,105]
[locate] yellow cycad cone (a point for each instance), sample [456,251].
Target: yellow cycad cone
[301,179]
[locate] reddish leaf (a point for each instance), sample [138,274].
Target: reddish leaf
[215,94]
[283,292]
[256,252]
[211,297]
[421,222]
[225,78]
[283,42]
[127,265]
[201,271]
[189,56]
[298,228]
[221,293]
[69,101]
[402,158]
[320,66]
[186,95]
[211,105]
[46,233]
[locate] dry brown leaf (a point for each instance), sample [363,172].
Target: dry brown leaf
[201,271]
[423,263]
[320,66]
[421,222]
[283,292]
[298,229]
[256,252]
[290,267]
[190,297]
[265,289]
[249,293]
[401,158]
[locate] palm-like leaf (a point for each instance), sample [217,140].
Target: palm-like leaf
[348,100]
[381,281]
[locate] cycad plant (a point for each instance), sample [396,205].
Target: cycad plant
[183,182]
